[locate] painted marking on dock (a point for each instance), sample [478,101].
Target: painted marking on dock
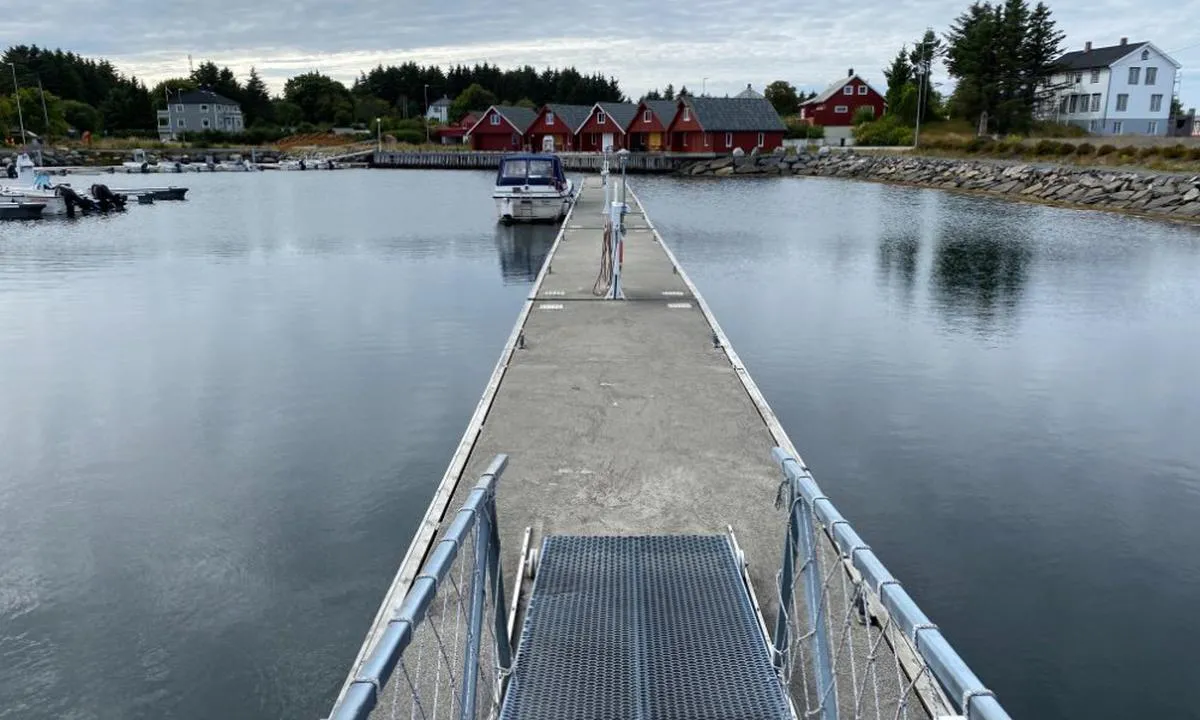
[550,306]
[674,293]
[679,306]
[556,292]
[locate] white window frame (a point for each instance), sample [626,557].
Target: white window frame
[495,118]
[687,115]
[1135,74]
[728,139]
[1096,102]
[1122,102]
[1151,76]
[179,108]
[848,90]
[1145,54]
[1156,106]
[762,139]
[181,122]
[862,89]
[203,108]
[646,115]
[205,124]
[549,117]
[1095,76]
[841,109]
[600,117]
[1152,127]
[1118,126]
[1074,104]
[1093,125]
[707,139]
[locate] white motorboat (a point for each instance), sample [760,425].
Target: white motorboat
[532,188]
[139,164]
[33,187]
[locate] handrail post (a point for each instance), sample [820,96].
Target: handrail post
[801,534]
[475,621]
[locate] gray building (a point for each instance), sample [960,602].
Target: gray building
[196,111]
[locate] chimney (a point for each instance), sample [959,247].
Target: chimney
[1124,41]
[850,72]
[1087,46]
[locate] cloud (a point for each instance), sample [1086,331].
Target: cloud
[645,45]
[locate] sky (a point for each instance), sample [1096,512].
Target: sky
[713,45]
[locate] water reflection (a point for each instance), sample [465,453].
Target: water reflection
[899,255]
[523,249]
[981,264]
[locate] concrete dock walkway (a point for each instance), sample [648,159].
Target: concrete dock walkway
[623,417]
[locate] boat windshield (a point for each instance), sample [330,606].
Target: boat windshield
[514,169]
[529,171]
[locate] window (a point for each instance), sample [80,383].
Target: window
[645,116]
[180,122]
[164,121]
[600,119]
[1156,103]
[1062,104]
[203,108]
[1093,125]
[868,108]
[1122,102]
[841,109]
[494,119]
[687,115]
[761,140]
[848,90]
[1078,77]
[1134,73]
[1095,102]
[1117,127]
[1095,76]
[862,89]
[1151,76]
[549,117]
[707,139]
[728,139]
[204,123]
[1152,127]
[1074,104]
[1145,54]
[178,108]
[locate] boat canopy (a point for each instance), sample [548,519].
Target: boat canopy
[530,169]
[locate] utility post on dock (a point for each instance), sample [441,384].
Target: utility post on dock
[616,222]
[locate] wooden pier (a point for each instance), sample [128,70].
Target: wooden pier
[572,161]
[636,417]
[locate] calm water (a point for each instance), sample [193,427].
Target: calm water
[221,419]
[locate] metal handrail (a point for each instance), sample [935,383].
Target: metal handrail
[479,509]
[965,689]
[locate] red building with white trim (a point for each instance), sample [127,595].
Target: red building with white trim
[836,106]
[605,126]
[558,123]
[501,127]
[721,125]
[647,132]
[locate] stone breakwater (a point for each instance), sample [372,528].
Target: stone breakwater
[1143,192]
[66,157]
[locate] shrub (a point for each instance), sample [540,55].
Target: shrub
[1127,151]
[1085,149]
[411,137]
[979,145]
[1194,154]
[885,131]
[1106,149]
[1148,152]
[1174,152]
[1066,148]
[1046,147]
[864,115]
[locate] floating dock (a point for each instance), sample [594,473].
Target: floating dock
[639,521]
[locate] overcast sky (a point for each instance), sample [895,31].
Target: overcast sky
[644,44]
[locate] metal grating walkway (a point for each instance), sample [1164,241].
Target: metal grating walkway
[646,627]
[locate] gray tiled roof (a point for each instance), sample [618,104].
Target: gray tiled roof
[621,113]
[736,114]
[749,92]
[201,97]
[572,116]
[521,117]
[1096,57]
[664,109]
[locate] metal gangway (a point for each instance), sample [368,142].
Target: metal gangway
[661,627]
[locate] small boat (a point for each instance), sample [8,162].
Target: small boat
[33,187]
[140,164]
[531,188]
[20,210]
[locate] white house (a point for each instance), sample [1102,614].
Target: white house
[1122,89]
[439,110]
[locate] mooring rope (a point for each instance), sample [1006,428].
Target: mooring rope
[605,278]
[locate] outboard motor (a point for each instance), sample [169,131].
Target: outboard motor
[107,199]
[74,200]
[303,166]
[12,171]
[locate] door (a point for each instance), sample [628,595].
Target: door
[548,144]
[608,141]
[655,142]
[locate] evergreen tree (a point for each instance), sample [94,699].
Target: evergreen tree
[669,93]
[899,76]
[256,101]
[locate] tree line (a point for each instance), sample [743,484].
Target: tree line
[91,95]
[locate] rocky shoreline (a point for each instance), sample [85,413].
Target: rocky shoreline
[68,157]
[1141,192]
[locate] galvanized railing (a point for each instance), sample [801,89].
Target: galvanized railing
[854,643]
[436,639]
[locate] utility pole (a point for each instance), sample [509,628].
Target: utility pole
[17,93]
[426,113]
[923,75]
[704,87]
